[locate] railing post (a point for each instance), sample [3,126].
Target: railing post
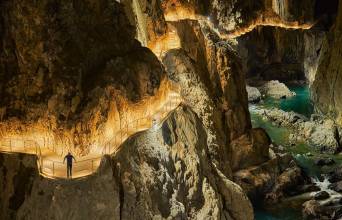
[10,145]
[53,168]
[92,165]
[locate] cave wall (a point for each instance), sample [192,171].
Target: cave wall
[64,66]
[326,87]
[17,174]
[238,17]
[148,19]
[273,53]
[165,174]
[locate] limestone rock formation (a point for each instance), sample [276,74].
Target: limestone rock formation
[273,54]
[17,173]
[254,95]
[240,17]
[320,132]
[276,89]
[164,173]
[148,19]
[327,84]
[76,70]
[63,79]
[272,180]
[212,83]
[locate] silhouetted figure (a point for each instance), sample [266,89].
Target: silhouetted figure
[69,159]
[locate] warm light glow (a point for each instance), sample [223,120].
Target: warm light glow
[175,11]
[123,121]
[273,17]
[268,19]
[165,43]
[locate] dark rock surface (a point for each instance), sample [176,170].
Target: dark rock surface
[321,195]
[324,161]
[327,83]
[337,186]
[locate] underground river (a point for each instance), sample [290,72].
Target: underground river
[291,209]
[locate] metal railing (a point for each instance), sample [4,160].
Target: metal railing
[56,167]
[139,124]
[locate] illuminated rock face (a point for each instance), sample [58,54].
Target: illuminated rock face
[164,173]
[148,19]
[212,82]
[240,17]
[326,88]
[59,77]
[76,70]
[175,10]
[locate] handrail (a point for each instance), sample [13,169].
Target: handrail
[55,168]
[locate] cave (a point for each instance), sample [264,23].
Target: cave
[170,109]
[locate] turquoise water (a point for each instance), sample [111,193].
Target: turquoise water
[300,103]
[280,135]
[281,213]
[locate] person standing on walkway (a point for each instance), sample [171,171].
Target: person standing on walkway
[69,159]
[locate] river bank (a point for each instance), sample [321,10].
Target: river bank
[305,154]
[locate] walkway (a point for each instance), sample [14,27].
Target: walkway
[50,162]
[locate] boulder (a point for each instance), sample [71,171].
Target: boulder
[250,149]
[321,195]
[286,183]
[336,186]
[254,95]
[335,175]
[307,188]
[311,209]
[324,135]
[276,89]
[324,161]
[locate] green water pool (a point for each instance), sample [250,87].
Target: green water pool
[301,104]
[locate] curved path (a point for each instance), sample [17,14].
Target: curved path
[50,162]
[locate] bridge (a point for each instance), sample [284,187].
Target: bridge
[50,158]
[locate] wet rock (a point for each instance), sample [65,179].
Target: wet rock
[324,161]
[275,178]
[307,188]
[311,209]
[254,95]
[285,184]
[321,195]
[277,90]
[336,186]
[322,134]
[335,175]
